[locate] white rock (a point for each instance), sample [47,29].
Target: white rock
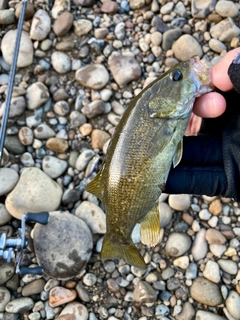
[233,303]
[179,202]
[177,244]
[82,26]
[165,213]
[34,192]
[200,247]
[217,249]
[61,62]
[17,107]
[182,262]
[93,216]
[205,315]
[8,179]
[41,25]
[225,30]
[43,131]
[74,309]
[83,159]
[37,94]
[92,76]
[228,266]
[5,216]
[212,271]
[226,8]
[25,55]
[204,214]
[53,166]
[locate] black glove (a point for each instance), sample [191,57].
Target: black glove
[211,161]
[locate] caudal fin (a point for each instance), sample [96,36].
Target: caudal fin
[128,252]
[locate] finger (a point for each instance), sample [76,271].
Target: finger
[219,72]
[210,105]
[194,125]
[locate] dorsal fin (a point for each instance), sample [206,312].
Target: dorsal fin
[95,186]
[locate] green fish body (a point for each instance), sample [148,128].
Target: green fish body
[146,142]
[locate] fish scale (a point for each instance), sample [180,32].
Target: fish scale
[146,142]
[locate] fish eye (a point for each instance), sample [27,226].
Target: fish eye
[176,75]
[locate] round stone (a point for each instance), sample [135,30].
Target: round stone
[83,159]
[232,304]
[60,295]
[186,47]
[99,138]
[177,244]
[75,310]
[179,202]
[19,305]
[199,248]
[5,297]
[63,24]
[5,216]
[93,76]
[53,166]
[37,94]
[34,192]
[26,136]
[57,145]
[165,213]
[61,62]
[226,8]
[206,292]
[40,26]
[25,55]
[8,179]
[57,245]
[82,26]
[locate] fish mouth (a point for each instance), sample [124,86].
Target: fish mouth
[201,72]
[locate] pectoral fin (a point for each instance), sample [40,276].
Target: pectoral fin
[150,227]
[95,186]
[178,154]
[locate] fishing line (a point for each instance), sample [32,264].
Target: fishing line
[11,79]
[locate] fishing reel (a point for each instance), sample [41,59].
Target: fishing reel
[12,249]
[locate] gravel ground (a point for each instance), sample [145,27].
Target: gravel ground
[80,64]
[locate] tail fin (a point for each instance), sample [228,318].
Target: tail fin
[128,252]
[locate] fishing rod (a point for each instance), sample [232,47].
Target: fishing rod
[11,79]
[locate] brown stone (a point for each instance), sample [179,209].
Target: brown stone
[57,145]
[63,24]
[214,236]
[61,295]
[99,138]
[109,7]
[215,207]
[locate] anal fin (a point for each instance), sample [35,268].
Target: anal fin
[150,227]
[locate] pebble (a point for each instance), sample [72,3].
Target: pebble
[144,292]
[27,159]
[25,55]
[166,214]
[53,166]
[68,258]
[89,279]
[177,244]
[201,8]
[99,138]
[57,145]
[5,216]
[186,47]
[37,94]
[93,76]
[169,37]
[7,17]
[93,216]
[179,202]
[205,315]
[5,298]
[61,62]
[216,45]
[212,271]
[215,207]
[93,109]
[225,30]
[43,194]
[214,236]
[8,179]
[29,12]
[232,304]
[74,311]
[60,295]
[41,25]
[83,159]
[109,7]
[25,135]
[204,214]
[63,24]
[182,262]
[82,27]
[124,69]
[226,8]
[34,287]
[206,292]
[217,249]
[187,312]
[43,132]
[19,305]
[228,266]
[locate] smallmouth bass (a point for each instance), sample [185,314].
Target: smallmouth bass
[146,142]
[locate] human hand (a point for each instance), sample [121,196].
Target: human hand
[213,104]
[211,160]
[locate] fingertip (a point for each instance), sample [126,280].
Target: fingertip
[210,105]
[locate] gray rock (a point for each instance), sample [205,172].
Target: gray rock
[93,216]
[27,159]
[93,76]
[7,270]
[225,30]
[25,55]
[67,240]
[162,310]
[205,315]
[25,135]
[20,305]
[5,216]
[201,8]
[8,179]
[206,292]
[7,16]
[124,69]
[212,272]
[179,202]
[13,145]
[177,244]
[228,266]
[34,192]
[200,247]
[144,292]
[43,132]
[83,159]
[120,31]
[187,312]
[186,47]
[136,4]
[191,272]
[232,304]
[217,249]
[61,108]
[53,166]
[41,25]
[5,297]
[37,94]
[165,213]
[61,62]
[93,109]
[226,8]
[74,309]
[33,287]
[82,27]
[180,10]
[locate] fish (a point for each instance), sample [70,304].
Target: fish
[146,143]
